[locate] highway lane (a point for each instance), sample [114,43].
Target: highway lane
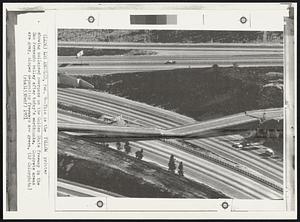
[252,160]
[206,172]
[255,160]
[176,118]
[224,121]
[70,188]
[196,128]
[231,182]
[160,59]
[141,64]
[63,117]
[160,159]
[171,46]
[146,64]
[201,129]
[112,110]
[188,56]
[131,106]
[278,164]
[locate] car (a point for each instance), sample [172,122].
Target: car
[269,152]
[237,145]
[170,62]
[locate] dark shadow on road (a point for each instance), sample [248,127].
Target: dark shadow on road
[73,64]
[249,149]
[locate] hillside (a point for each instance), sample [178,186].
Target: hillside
[168,36]
[97,166]
[201,93]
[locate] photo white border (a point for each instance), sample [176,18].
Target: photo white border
[50,214]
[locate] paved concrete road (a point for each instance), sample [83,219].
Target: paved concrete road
[230,182]
[185,57]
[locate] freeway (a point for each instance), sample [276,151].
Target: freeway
[237,186]
[113,133]
[217,127]
[70,188]
[170,46]
[215,146]
[185,57]
[215,176]
[228,121]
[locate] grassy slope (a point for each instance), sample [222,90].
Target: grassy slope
[114,171]
[68,51]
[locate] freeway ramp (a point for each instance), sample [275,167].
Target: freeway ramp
[232,124]
[228,125]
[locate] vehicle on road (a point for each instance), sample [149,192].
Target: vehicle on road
[242,144]
[170,62]
[117,120]
[237,145]
[269,152]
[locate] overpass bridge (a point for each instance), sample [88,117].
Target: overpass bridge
[216,127]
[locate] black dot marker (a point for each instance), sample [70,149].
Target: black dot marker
[225,205]
[91,19]
[243,19]
[99,204]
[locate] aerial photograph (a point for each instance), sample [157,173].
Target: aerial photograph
[170,114]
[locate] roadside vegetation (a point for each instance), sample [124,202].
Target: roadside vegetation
[69,51]
[168,36]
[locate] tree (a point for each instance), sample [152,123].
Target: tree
[119,146]
[216,71]
[215,66]
[127,147]
[139,154]
[180,169]
[171,164]
[235,65]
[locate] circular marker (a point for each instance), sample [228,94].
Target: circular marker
[243,20]
[91,19]
[225,205]
[99,204]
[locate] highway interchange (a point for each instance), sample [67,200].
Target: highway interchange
[197,168]
[257,177]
